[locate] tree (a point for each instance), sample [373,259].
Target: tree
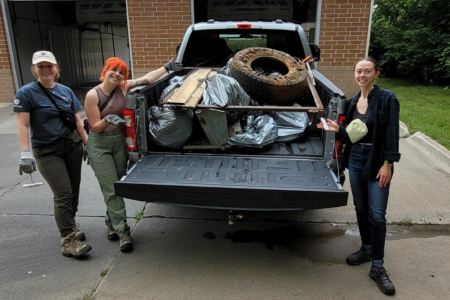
[411,38]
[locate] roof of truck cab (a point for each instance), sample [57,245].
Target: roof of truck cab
[217,25]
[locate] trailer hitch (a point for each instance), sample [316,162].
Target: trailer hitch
[233,217]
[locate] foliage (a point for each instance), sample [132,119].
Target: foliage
[139,215]
[422,108]
[411,38]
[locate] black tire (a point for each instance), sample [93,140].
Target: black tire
[263,87]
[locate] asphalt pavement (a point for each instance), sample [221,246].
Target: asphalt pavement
[188,253]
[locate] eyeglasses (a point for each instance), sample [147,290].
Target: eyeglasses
[42,67]
[366,72]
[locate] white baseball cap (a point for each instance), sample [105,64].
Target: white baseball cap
[43,55]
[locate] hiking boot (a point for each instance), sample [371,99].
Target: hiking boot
[381,276]
[112,234]
[360,256]
[125,243]
[79,235]
[73,247]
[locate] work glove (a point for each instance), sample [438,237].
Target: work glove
[114,120]
[172,65]
[27,163]
[85,154]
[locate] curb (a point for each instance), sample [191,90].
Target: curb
[404,132]
[438,151]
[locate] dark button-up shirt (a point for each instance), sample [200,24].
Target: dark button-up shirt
[384,108]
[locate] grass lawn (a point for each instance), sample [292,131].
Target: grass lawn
[422,108]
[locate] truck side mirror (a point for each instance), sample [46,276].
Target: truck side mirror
[315,51]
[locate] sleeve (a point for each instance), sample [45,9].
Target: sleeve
[22,102]
[76,105]
[342,135]
[393,130]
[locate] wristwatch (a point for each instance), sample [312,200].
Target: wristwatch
[391,162]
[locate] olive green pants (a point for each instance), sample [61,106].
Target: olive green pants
[108,158]
[60,165]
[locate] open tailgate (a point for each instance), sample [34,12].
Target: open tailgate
[233,182]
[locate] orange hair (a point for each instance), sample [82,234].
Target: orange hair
[112,63]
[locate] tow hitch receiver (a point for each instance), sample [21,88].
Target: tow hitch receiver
[233,217]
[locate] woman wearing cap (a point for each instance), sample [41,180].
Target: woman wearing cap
[369,156]
[56,149]
[106,149]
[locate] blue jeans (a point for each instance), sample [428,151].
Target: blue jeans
[370,201]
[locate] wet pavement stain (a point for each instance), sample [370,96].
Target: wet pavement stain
[288,237]
[209,235]
[326,243]
[320,243]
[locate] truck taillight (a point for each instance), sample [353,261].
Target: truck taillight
[244,26]
[130,127]
[339,147]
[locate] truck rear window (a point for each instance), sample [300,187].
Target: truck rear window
[213,48]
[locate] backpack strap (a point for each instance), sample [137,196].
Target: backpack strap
[107,100]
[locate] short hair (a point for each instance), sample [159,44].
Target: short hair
[112,63]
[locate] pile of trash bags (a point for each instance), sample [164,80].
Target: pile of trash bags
[170,127]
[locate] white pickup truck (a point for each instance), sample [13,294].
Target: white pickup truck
[296,175]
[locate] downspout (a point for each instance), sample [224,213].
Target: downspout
[318,20]
[9,32]
[192,12]
[129,43]
[369,28]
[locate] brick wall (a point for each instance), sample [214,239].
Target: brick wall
[6,77]
[156,28]
[343,40]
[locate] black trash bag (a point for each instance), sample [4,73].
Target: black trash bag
[291,125]
[223,90]
[259,132]
[175,81]
[169,127]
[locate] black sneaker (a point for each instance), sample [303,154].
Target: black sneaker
[381,276]
[360,256]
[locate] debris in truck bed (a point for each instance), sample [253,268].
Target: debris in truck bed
[259,132]
[170,127]
[191,91]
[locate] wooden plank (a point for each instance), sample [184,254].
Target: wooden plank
[196,96]
[188,88]
[267,108]
[316,98]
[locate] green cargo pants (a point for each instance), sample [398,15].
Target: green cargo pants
[60,165]
[108,158]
